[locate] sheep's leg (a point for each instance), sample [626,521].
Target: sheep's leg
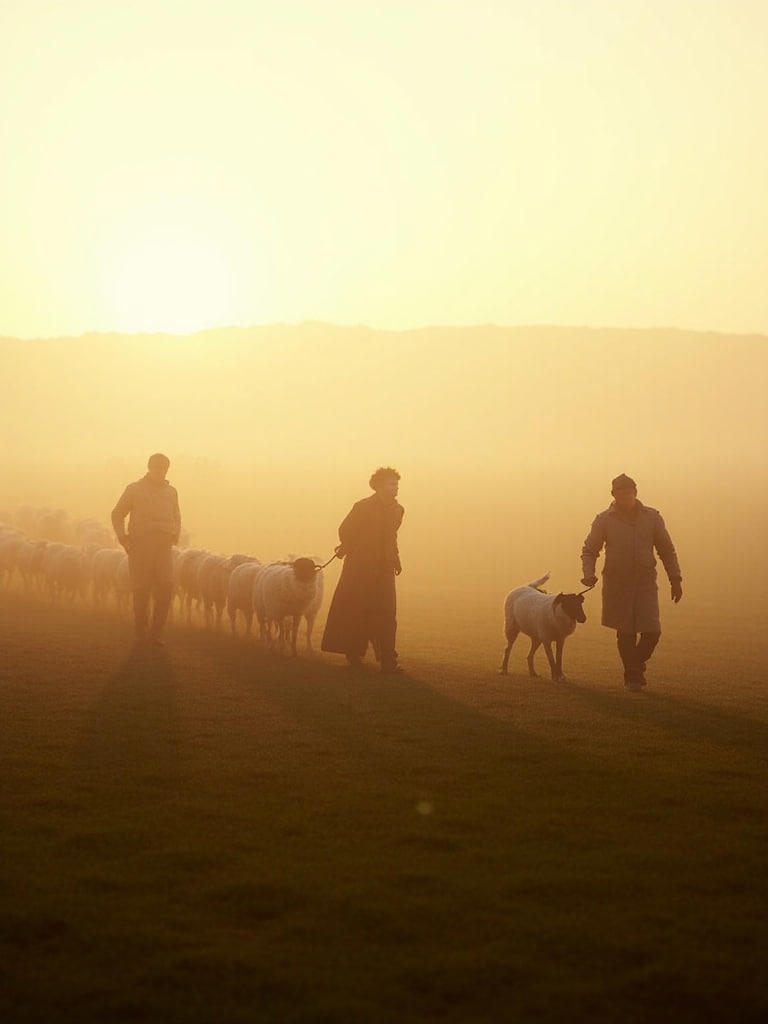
[512,635]
[294,634]
[559,657]
[550,658]
[310,626]
[535,645]
[248,621]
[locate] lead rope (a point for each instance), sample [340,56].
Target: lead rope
[319,567]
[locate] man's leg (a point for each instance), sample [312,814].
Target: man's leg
[140,612]
[646,645]
[626,642]
[140,572]
[162,572]
[160,610]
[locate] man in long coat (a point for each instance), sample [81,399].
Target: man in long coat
[363,609]
[630,531]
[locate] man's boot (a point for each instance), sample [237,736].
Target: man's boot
[633,675]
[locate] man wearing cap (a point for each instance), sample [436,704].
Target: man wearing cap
[153,528]
[630,531]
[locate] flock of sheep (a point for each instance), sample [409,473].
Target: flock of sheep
[48,552]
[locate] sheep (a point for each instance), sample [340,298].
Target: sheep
[185,578]
[544,618]
[240,593]
[310,612]
[37,562]
[28,561]
[283,592]
[104,566]
[55,525]
[67,572]
[91,532]
[11,544]
[213,581]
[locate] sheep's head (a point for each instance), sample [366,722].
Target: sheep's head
[572,605]
[303,569]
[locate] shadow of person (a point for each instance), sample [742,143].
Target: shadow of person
[692,720]
[131,731]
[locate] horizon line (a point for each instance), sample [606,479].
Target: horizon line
[311,323]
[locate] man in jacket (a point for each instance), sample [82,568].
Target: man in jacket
[363,609]
[630,531]
[153,528]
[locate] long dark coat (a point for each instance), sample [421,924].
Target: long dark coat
[630,594]
[363,608]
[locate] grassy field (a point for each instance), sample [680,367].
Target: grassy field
[208,833]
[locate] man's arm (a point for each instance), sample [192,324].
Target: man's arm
[119,512]
[593,545]
[666,549]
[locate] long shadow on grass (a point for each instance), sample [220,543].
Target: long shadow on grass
[132,726]
[688,719]
[386,724]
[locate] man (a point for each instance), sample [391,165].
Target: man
[153,529]
[363,609]
[630,531]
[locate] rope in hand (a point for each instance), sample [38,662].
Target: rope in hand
[319,567]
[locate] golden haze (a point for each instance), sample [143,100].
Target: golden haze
[506,439]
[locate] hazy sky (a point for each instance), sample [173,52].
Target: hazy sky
[176,164]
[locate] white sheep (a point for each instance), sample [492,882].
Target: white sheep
[282,594]
[104,566]
[11,543]
[545,618]
[240,593]
[185,578]
[67,572]
[28,558]
[310,612]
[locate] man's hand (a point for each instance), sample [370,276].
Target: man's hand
[677,590]
[589,581]
[339,551]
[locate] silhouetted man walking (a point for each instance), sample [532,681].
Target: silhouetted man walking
[630,531]
[363,609]
[153,528]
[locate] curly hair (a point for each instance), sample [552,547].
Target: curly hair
[382,473]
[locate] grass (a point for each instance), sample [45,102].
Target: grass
[210,833]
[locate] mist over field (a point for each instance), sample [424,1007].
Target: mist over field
[506,439]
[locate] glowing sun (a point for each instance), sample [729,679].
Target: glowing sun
[168,281]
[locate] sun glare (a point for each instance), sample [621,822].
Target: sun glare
[168,281]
